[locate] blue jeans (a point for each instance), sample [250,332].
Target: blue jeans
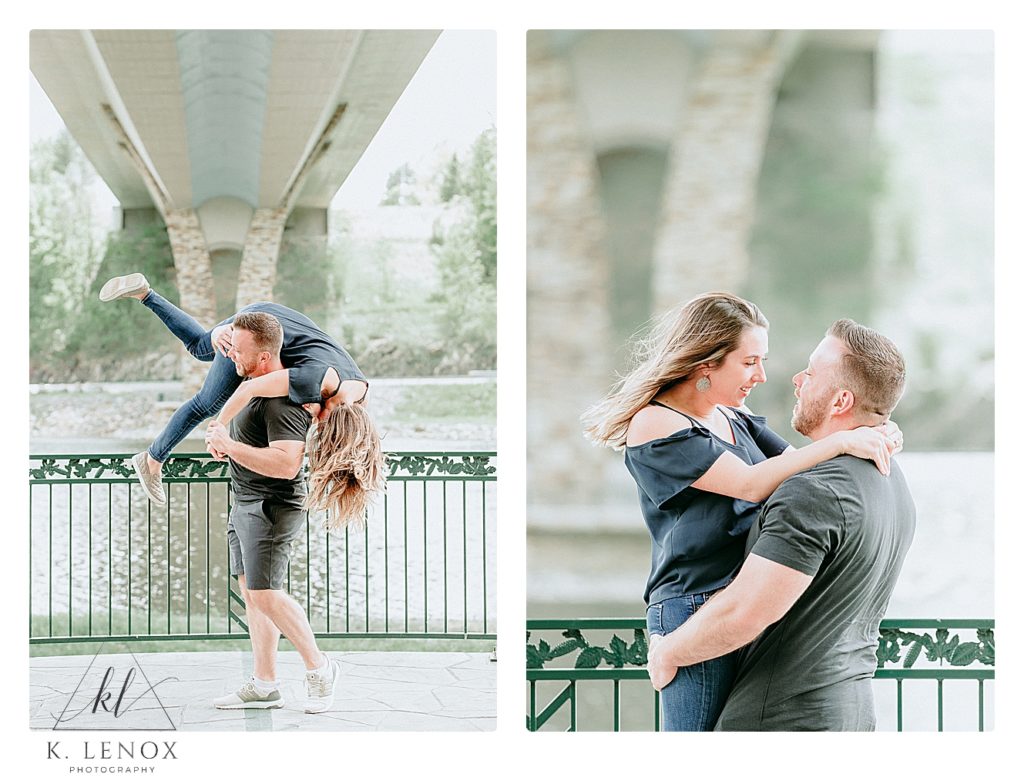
[696,696]
[221,381]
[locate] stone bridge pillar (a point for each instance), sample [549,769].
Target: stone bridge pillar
[714,163]
[195,283]
[568,323]
[258,271]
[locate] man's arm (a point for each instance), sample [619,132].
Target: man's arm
[281,458]
[761,594]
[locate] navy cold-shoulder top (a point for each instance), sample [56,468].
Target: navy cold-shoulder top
[698,537]
[307,353]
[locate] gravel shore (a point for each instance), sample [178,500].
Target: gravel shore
[137,412]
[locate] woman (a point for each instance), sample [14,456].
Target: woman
[702,464]
[346,461]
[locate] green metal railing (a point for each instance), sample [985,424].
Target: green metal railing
[903,644]
[107,564]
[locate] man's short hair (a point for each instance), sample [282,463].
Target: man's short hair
[266,330]
[873,367]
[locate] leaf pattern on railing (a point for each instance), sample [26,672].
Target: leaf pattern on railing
[417,464]
[81,468]
[618,654]
[939,648]
[198,468]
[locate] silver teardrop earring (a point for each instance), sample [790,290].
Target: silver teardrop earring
[704,384]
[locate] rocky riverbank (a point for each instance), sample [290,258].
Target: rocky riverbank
[410,413]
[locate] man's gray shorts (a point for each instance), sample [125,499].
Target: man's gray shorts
[260,535]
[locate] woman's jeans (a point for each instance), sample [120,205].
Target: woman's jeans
[221,381]
[696,696]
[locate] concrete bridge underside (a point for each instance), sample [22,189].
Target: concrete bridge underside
[229,137]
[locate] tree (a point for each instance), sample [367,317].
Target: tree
[451,182]
[66,241]
[481,189]
[399,188]
[467,260]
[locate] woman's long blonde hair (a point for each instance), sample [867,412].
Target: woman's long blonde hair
[346,465]
[700,332]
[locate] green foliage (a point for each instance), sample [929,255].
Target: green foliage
[451,182]
[308,277]
[65,244]
[468,312]
[467,265]
[448,402]
[481,189]
[399,188]
[122,338]
[73,336]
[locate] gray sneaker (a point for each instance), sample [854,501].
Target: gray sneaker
[151,483]
[320,687]
[119,287]
[248,696]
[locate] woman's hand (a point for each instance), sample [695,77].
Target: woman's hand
[221,338]
[893,433]
[869,443]
[662,673]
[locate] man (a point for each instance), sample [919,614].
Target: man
[265,448]
[822,562]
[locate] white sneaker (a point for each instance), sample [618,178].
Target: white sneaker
[119,287]
[151,483]
[248,696]
[320,687]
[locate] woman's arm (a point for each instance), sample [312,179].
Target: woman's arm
[731,476]
[268,386]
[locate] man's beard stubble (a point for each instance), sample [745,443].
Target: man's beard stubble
[809,415]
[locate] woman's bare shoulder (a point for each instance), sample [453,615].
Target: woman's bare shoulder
[653,422]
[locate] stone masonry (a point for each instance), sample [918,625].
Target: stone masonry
[567,285]
[258,271]
[195,282]
[714,164]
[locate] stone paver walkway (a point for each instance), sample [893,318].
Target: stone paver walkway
[377,691]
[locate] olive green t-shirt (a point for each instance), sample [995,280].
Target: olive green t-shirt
[848,526]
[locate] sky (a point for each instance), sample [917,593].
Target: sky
[431,120]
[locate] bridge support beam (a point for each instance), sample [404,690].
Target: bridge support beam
[715,160]
[258,272]
[567,284]
[195,283]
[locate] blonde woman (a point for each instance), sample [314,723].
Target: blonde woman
[346,461]
[703,463]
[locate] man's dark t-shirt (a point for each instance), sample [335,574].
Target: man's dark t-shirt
[848,526]
[261,422]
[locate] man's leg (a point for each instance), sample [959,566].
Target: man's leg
[285,615]
[263,634]
[275,527]
[261,691]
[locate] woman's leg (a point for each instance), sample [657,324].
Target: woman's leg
[694,699]
[191,334]
[219,384]
[221,381]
